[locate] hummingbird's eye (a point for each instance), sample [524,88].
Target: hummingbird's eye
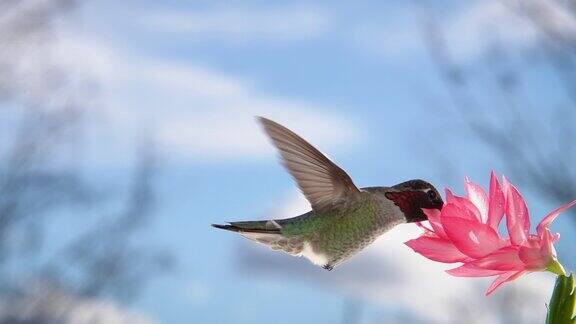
[432,194]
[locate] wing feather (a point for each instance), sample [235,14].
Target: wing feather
[325,185]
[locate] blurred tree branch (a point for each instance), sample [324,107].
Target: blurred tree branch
[538,154]
[43,109]
[536,149]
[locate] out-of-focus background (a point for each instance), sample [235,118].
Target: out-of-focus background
[127,128]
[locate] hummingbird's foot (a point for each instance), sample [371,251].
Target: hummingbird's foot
[327,267]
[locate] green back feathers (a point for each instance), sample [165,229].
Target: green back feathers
[335,226]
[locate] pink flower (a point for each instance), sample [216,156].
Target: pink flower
[466,231]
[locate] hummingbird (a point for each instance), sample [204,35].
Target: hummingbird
[344,218]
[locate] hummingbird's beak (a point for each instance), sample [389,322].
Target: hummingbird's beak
[439,205]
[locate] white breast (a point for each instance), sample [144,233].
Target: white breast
[314,257]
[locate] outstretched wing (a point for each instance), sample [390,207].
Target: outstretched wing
[325,185]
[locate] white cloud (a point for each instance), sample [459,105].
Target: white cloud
[194,80]
[515,23]
[466,34]
[392,275]
[45,303]
[396,37]
[242,24]
[231,133]
[203,114]
[50,71]
[94,311]
[468,31]
[196,112]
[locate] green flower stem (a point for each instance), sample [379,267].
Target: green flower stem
[562,307]
[556,268]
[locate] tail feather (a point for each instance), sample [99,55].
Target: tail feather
[225,227]
[267,233]
[267,227]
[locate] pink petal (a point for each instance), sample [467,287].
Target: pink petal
[470,270]
[436,249]
[462,203]
[478,197]
[456,211]
[496,202]
[535,258]
[552,216]
[505,277]
[434,220]
[505,259]
[538,254]
[517,217]
[471,237]
[547,243]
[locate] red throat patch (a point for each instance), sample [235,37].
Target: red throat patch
[405,200]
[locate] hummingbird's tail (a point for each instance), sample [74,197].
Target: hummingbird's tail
[268,233]
[268,227]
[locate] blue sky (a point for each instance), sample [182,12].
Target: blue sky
[356,81]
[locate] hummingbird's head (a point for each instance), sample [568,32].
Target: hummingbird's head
[414,195]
